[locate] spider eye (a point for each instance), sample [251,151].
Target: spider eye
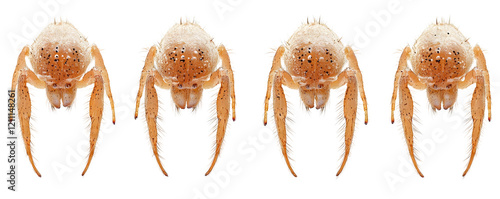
[320,85]
[180,86]
[54,85]
[195,85]
[68,85]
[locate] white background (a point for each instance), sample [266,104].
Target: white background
[379,165]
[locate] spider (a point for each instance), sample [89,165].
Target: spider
[59,57]
[185,62]
[441,60]
[314,59]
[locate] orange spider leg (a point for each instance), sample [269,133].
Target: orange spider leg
[148,66]
[99,64]
[151,106]
[350,108]
[352,77]
[99,77]
[481,64]
[224,76]
[276,66]
[277,78]
[227,65]
[149,78]
[480,76]
[22,76]
[96,105]
[353,64]
[403,64]
[405,77]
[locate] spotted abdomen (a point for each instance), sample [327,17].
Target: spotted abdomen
[441,65]
[185,66]
[58,63]
[312,64]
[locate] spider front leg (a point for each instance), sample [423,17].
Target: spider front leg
[480,76]
[280,112]
[99,77]
[148,67]
[222,105]
[277,78]
[22,76]
[406,112]
[353,64]
[352,77]
[348,77]
[405,77]
[224,76]
[274,69]
[96,105]
[151,105]
[99,64]
[226,64]
[150,78]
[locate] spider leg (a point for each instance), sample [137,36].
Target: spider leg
[280,112]
[405,77]
[22,76]
[353,64]
[406,111]
[150,78]
[352,77]
[96,105]
[276,66]
[480,76]
[227,66]
[403,61]
[350,108]
[477,112]
[226,95]
[99,64]
[148,66]
[277,78]
[24,111]
[151,105]
[99,77]
[223,100]
[481,64]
